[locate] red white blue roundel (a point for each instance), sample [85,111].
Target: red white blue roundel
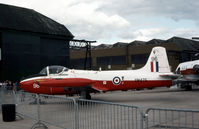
[116,80]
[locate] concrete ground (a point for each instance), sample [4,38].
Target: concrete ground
[21,123]
[160,97]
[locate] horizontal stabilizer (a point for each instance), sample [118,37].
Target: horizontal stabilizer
[170,75]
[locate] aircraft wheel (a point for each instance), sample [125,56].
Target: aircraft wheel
[188,88]
[82,95]
[88,96]
[85,95]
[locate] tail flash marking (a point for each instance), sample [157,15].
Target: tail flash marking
[152,66]
[157,67]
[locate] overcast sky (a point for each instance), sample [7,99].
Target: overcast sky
[111,21]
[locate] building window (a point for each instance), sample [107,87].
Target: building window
[139,58]
[111,60]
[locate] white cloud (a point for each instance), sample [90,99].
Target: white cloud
[82,18]
[185,32]
[175,9]
[110,21]
[144,34]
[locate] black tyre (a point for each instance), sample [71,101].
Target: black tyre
[85,95]
[8,112]
[88,96]
[188,88]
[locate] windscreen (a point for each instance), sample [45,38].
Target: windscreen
[43,71]
[56,69]
[53,70]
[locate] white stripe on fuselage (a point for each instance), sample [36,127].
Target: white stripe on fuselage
[129,75]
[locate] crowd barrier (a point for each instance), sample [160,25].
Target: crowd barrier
[6,96]
[70,113]
[106,115]
[162,118]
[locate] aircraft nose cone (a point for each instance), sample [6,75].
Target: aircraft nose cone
[25,85]
[22,84]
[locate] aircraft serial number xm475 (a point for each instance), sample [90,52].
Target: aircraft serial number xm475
[58,80]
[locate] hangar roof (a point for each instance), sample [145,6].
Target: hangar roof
[155,41]
[23,19]
[184,44]
[120,44]
[136,42]
[103,46]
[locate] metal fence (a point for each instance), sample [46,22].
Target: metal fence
[26,105]
[161,118]
[58,111]
[6,96]
[71,113]
[106,115]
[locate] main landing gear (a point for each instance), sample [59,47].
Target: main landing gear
[185,86]
[85,95]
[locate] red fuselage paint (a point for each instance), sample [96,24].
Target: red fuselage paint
[62,86]
[151,66]
[187,71]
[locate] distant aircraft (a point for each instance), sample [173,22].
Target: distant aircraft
[60,80]
[189,72]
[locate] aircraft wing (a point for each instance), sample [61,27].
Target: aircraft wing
[102,89]
[186,80]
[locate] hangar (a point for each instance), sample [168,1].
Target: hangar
[134,55]
[30,41]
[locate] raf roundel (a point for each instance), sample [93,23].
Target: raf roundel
[116,80]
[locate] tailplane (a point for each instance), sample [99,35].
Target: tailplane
[157,61]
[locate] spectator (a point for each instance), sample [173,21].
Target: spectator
[14,87]
[9,87]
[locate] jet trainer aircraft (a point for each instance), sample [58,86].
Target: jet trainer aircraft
[189,72]
[60,80]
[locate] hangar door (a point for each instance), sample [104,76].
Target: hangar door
[54,52]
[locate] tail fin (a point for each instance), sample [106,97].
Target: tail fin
[157,61]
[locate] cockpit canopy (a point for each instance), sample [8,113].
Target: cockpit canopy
[53,70]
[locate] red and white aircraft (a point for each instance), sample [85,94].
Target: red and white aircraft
[189,72]
[60,80]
